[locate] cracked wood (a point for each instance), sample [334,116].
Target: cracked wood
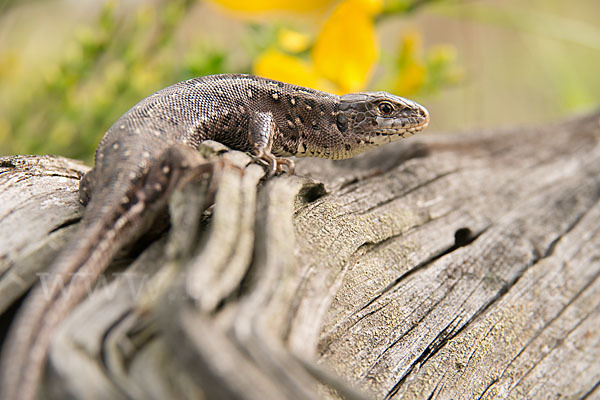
[462,265]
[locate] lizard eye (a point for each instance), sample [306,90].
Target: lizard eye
[386,108]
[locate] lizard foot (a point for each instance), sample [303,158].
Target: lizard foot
[276,163]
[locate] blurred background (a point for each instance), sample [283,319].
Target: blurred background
[70,68]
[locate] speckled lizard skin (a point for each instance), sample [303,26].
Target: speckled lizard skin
[152,146]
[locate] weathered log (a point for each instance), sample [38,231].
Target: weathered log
[449,266]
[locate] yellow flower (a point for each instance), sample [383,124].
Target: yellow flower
[346,49]
[283,67]
[411,68]
[274,5]
[292,41]
[343,54]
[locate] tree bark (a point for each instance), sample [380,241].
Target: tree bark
[451,266]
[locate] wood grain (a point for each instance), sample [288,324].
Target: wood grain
[452,266]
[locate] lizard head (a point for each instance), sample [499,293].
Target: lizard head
[374,118]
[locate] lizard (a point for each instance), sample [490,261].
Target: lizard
[149,150]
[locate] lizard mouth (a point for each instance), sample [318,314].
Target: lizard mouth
[390,130]
[403,127]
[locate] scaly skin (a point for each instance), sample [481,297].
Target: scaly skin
[144,155]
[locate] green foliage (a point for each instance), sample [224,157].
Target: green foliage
[126,54]
[113,63]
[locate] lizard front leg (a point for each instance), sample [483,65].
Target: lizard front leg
[262,130]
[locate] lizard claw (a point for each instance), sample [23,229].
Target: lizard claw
[289,164]
[276,163]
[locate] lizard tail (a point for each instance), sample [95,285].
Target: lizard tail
[112,218]
[51,299]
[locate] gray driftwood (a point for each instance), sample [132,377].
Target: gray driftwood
[453,266]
